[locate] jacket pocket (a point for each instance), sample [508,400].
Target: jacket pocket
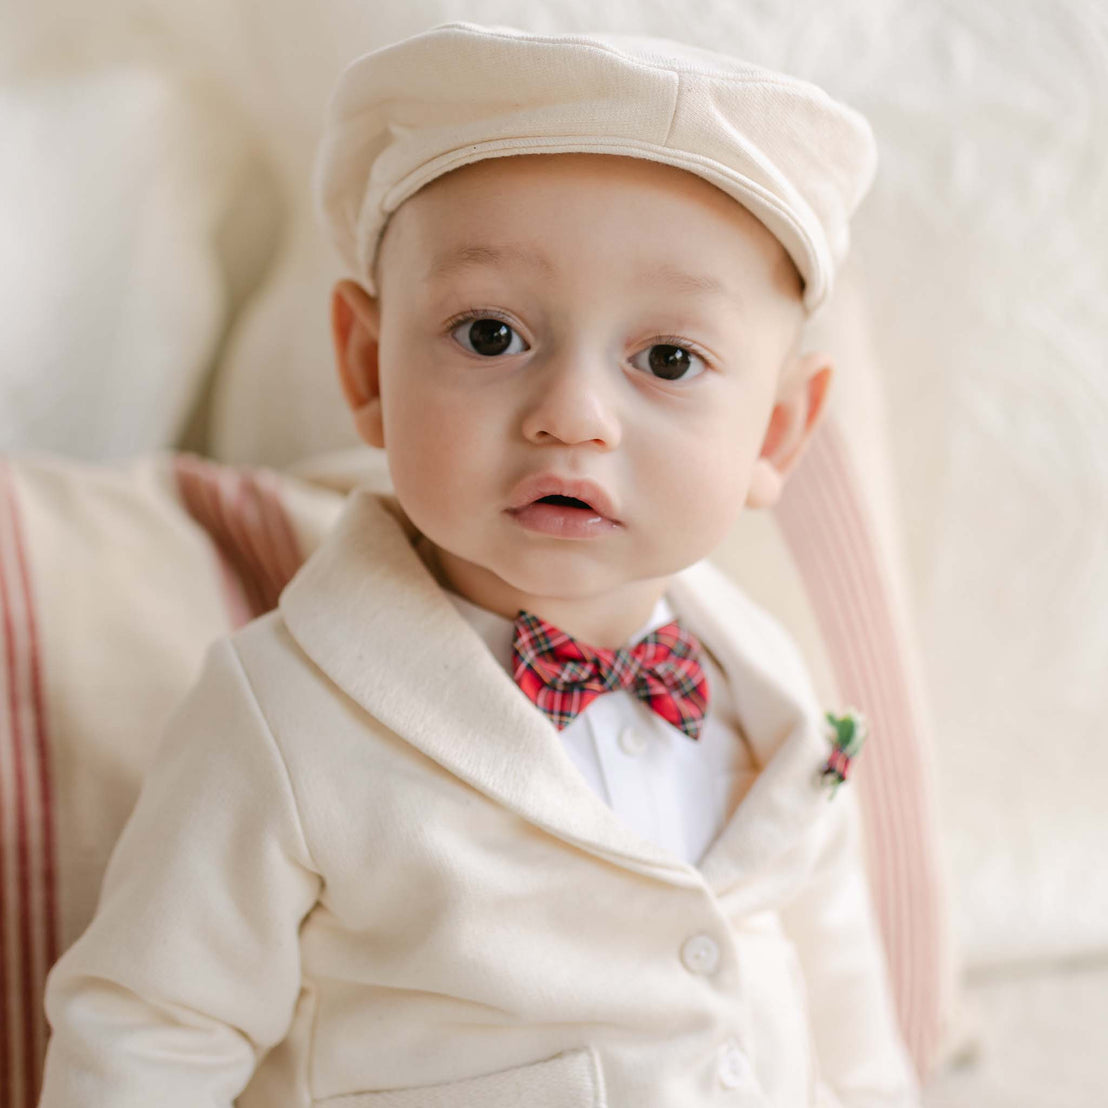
[568,1080]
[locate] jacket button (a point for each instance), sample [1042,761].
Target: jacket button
[631,742]
[700,953]
[733,1066]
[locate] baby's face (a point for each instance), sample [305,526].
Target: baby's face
[612,322]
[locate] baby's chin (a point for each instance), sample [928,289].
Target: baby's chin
[563,570]
[564,582]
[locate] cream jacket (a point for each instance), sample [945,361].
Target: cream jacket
[364,873]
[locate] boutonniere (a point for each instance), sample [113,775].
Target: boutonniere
[846,733]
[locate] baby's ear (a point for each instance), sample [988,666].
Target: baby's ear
[355,328]
[801,402]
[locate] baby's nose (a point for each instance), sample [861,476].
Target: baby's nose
[574,402]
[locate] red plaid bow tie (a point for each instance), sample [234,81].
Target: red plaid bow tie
[563,676]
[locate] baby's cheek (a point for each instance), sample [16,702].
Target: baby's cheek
[413,458]
[455,463]
[707,486]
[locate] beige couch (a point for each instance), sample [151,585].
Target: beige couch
[168,288]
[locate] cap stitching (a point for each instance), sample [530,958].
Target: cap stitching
[770,81]
[673,110]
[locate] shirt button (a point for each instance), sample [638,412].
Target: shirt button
[631,741]
[733,1067]
[700,953]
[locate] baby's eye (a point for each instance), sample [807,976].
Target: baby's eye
[487,336]
[670,362]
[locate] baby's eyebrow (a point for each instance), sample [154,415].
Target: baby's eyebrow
[681,281]
[468,257]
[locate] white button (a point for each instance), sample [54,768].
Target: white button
[700,953]
[734,1066]
[631,741]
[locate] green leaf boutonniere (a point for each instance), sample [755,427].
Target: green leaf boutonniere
[846,733]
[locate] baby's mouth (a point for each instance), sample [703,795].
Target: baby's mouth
[566,502]
[566,517]
[553,496]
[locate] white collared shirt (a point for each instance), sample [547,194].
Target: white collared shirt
[672,790]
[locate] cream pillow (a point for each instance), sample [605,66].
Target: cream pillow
[118,219]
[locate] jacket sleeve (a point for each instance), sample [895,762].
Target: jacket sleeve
[190,969]
[861,1055]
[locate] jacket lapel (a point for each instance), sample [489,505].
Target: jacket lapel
[783,722]
[368,612]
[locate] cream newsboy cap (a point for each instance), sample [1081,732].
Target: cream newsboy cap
[407,113]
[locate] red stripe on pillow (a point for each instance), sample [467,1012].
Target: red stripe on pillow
[278,527]
[240,521]
[29,939]
[826,524]
[243,515]
[199,494]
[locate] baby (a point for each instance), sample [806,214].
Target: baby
[516,800]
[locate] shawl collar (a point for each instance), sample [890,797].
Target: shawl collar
[367,611]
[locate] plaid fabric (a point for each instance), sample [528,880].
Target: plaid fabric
[562,675]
